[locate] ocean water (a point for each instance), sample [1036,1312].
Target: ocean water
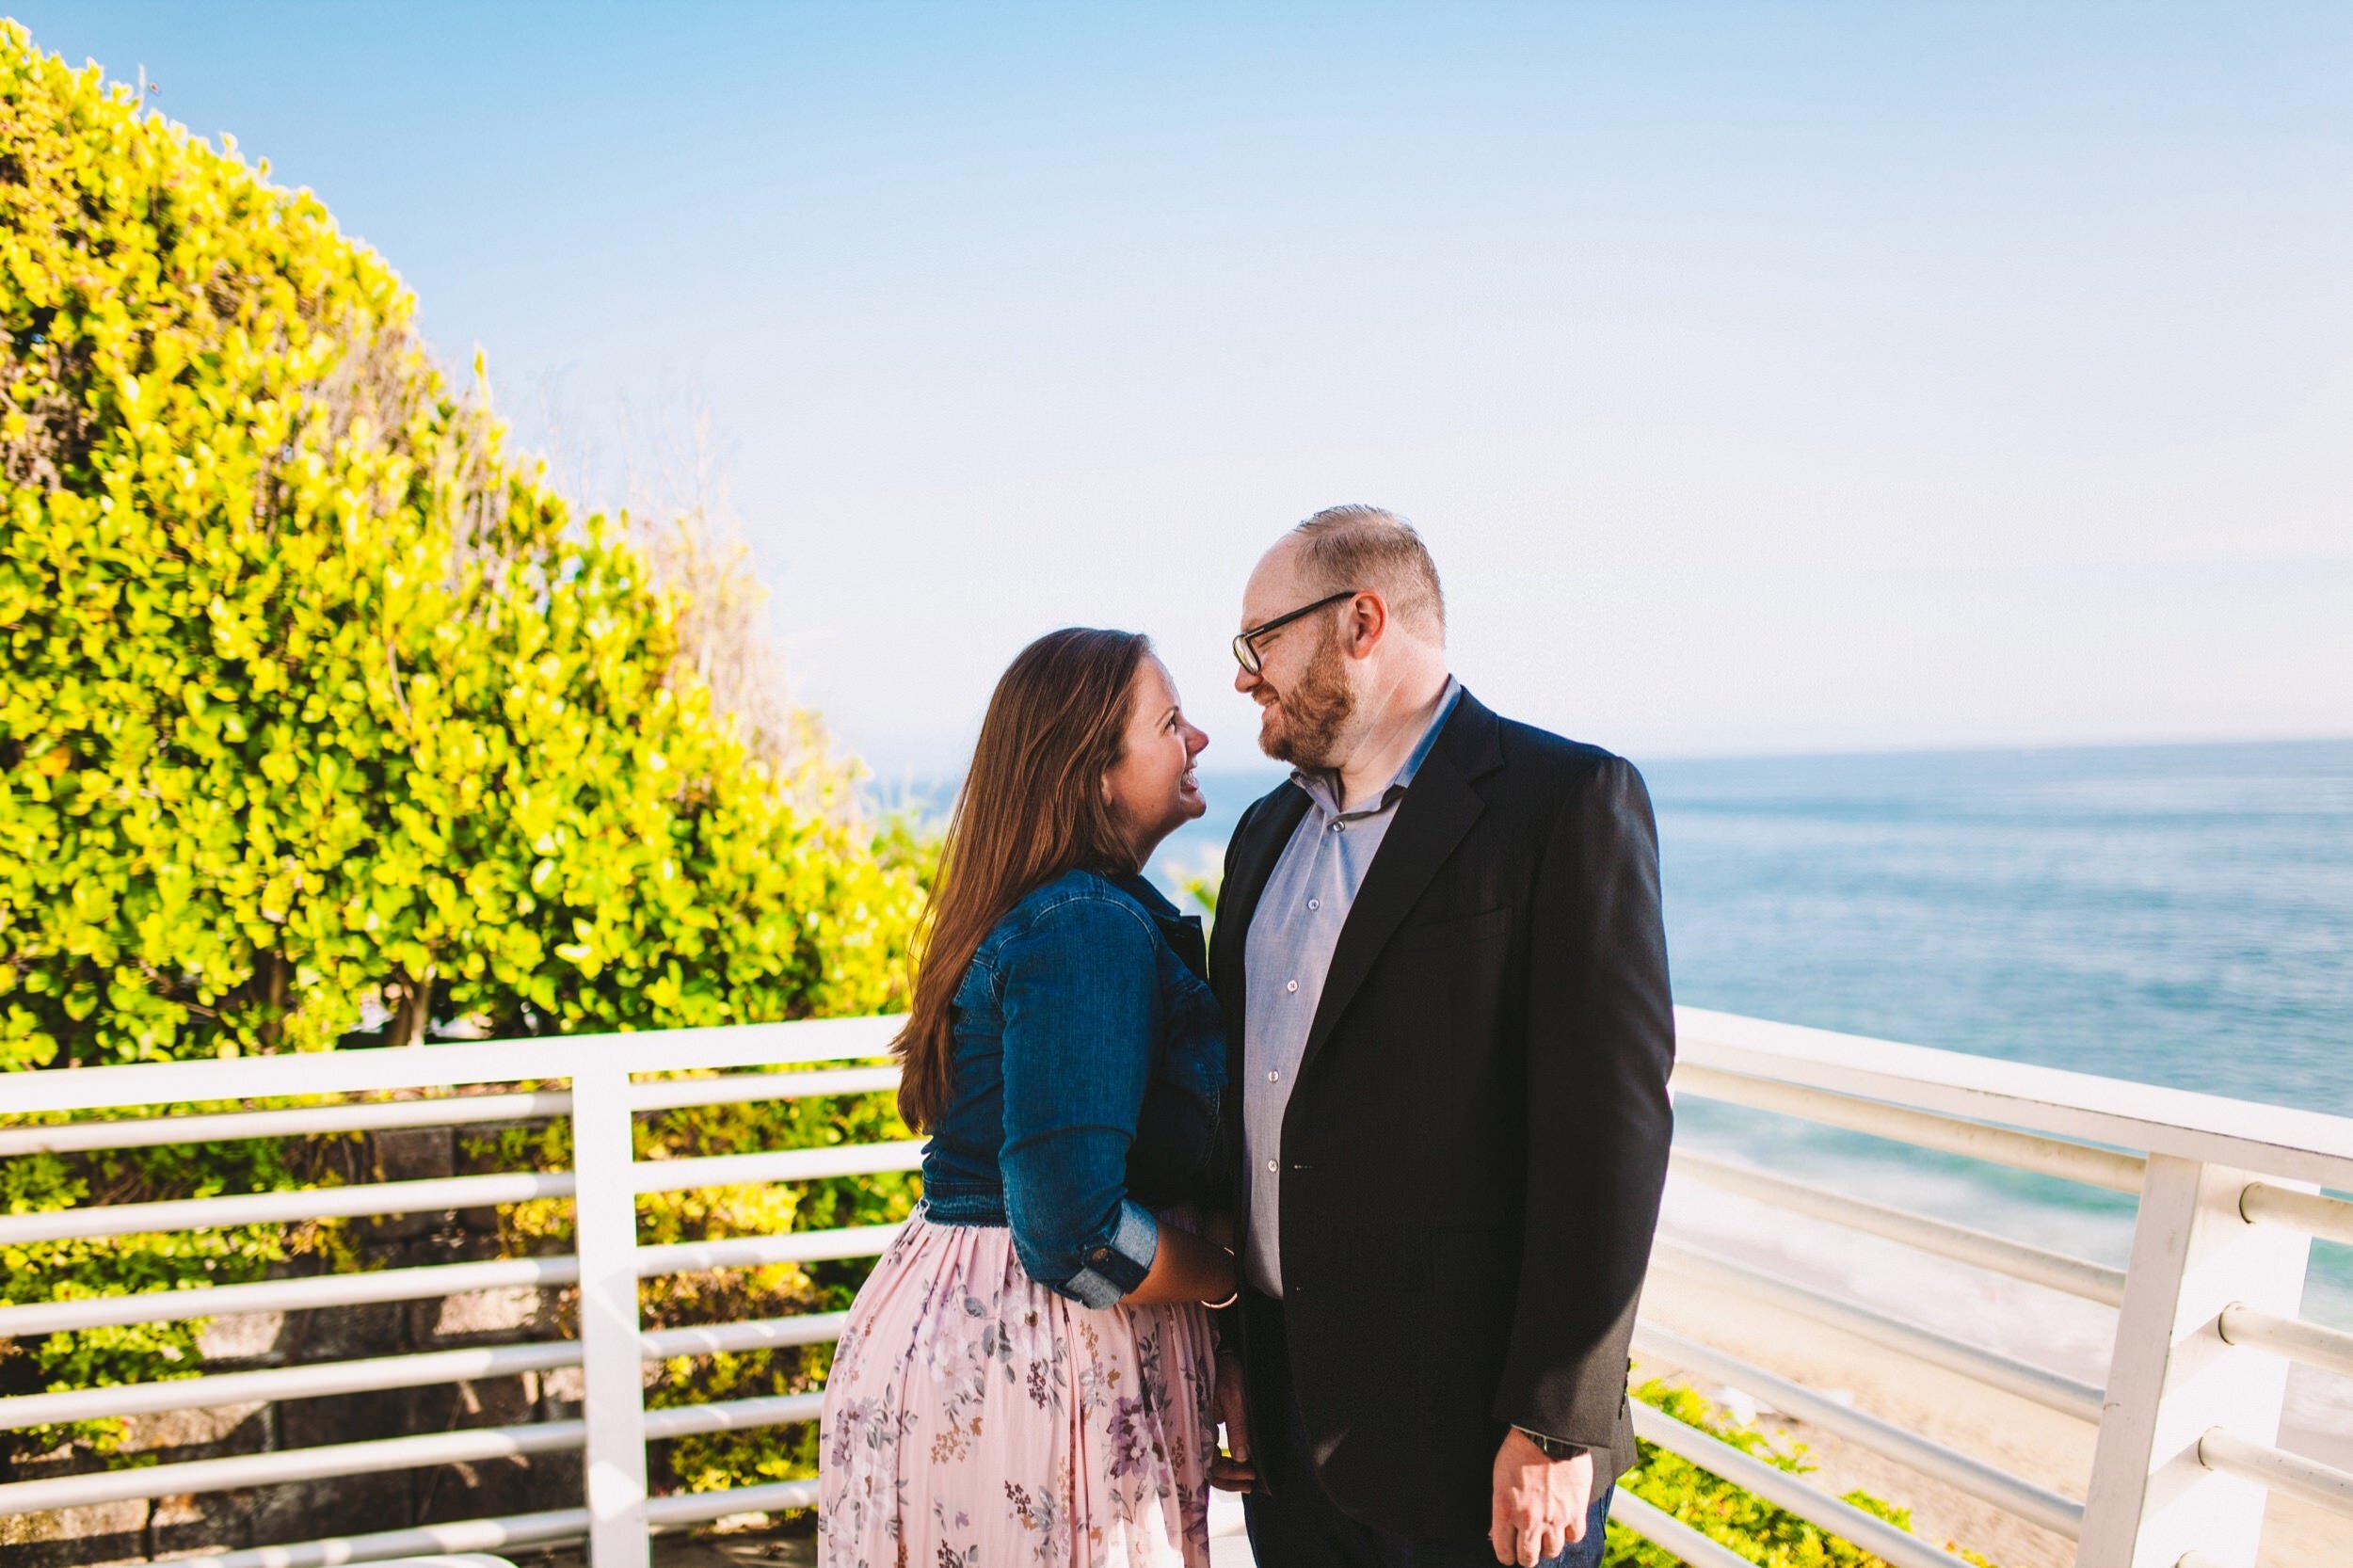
[2175,915]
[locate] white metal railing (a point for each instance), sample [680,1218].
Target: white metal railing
[606,1265]
[2206,1320]
[2188,1419]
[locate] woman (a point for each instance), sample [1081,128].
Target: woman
[1027,1375]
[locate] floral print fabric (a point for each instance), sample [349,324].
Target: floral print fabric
[976,1419]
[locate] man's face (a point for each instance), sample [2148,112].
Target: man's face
[1303,686]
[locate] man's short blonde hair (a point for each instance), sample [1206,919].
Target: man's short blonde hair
[1369,550]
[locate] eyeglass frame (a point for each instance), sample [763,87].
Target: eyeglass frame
[1245,643]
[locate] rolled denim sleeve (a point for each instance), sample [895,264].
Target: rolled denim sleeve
[1081,990]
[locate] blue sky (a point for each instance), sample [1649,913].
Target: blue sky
[1766,377]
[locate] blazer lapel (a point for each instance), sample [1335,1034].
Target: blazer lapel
[1438,809]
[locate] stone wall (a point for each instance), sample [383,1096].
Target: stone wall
[350,1505]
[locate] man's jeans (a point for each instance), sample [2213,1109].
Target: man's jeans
[1301,1527]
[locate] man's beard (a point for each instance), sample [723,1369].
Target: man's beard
[1315,710]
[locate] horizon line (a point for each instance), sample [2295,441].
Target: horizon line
[1268,766]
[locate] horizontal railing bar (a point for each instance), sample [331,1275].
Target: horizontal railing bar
[2323,1485]
[307,1203]
[2313,1344]
[693,1420]
[740,1088]
[421,1284]
[294,1122]
[2295,1145]
[437,1111]
[458,1535]
[1928,1130]
[2076,1276]
[2051,1390]
[286,1295]
[758,1252]
[442,1192]
[2315,1214]
[2062,1515]
[760,1333]
[545,1059]
[2279,1142]
[729,1170]
[697,1508]
[472,1444]
[313,1381]
[1671,1534]
[1842,1519]
[320,1379]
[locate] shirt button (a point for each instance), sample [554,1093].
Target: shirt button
[1273,1077]
[1339,828]
[1314,903]
[1293,985]
[1271,1166]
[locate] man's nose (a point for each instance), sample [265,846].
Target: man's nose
[1245,681]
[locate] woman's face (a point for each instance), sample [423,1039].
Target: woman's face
[1152,790]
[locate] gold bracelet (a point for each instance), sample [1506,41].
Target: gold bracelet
[1220,1306]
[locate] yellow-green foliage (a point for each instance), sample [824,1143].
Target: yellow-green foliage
[325,721]
[1763,1532]
[315,697]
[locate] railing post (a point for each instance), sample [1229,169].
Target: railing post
[613,1372]
[2172,1375]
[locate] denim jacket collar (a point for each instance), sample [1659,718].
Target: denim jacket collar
[1181,930]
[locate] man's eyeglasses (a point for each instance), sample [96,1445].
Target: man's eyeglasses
[1246,643]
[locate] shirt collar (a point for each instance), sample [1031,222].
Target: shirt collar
[1322,787]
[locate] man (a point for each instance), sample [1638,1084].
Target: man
[1444,978]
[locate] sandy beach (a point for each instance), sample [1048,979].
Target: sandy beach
[2036,1324]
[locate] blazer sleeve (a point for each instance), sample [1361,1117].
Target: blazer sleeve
[1600,1043]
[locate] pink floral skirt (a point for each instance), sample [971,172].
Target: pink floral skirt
[976,1419]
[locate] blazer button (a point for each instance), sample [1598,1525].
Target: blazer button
[1102,1254]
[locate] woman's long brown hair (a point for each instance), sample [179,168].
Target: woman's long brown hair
[1031,807]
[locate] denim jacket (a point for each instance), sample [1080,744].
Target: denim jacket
[1089,1061]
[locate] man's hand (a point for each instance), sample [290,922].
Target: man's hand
[1539,1504]
[1232,1471]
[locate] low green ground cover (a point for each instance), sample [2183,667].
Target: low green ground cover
[1761,1531]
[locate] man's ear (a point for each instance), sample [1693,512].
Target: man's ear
[1368,623]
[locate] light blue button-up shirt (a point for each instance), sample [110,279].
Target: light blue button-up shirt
[1286,958]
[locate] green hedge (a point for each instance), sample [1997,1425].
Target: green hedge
[317,699]
[327,723]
